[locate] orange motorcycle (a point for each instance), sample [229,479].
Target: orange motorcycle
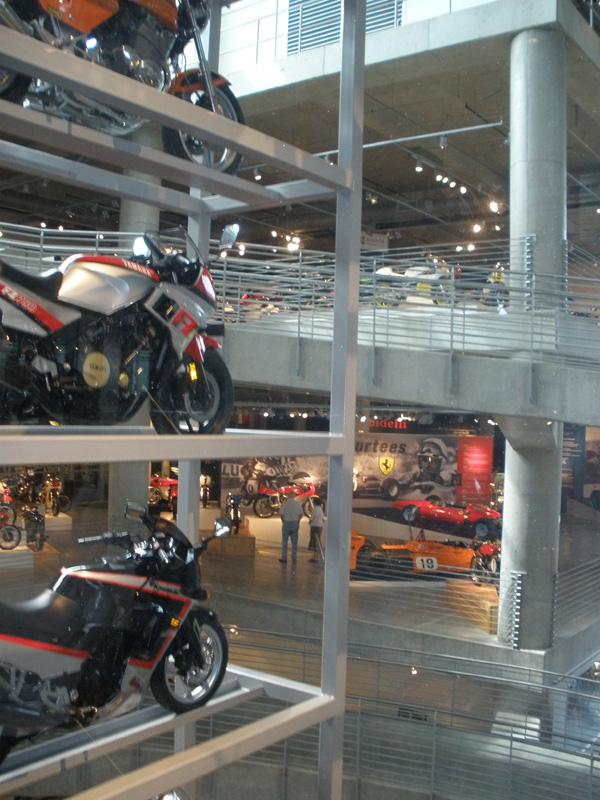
[147,40]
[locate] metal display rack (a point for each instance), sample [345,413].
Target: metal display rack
[205,193]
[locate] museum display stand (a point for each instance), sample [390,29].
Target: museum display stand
[201,194]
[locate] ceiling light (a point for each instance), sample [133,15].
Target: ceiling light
[463,190]
[471,247]
[452,184]
[443,141]
[257,175]
[274,234]
[445,179]
[439,177]
[476,228]
[494,207]
[419,166]
[458,248]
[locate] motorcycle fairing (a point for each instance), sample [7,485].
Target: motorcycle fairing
[182,316]
[190,82]
[104,286]
[31,313]
[83,15]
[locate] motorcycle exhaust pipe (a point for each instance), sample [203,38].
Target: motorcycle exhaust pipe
[19,718]
[12,20]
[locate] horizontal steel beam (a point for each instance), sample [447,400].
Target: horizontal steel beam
[74,173]
[62,753]
[118,151]
[25,55]
[117,444]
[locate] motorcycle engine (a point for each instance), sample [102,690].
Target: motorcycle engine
[137,47]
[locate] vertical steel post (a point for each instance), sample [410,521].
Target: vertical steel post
[343,398]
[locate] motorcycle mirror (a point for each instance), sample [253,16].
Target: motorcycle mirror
[140,248]
[222,527]
[229,236]
[134,511]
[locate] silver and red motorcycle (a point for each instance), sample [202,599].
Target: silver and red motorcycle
[88,647]
[147,41]
[91,341]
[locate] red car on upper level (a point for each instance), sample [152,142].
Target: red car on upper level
[468,521]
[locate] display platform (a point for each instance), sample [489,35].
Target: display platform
[242,544]
[478,604]
[18,558]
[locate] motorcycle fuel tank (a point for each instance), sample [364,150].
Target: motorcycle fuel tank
[104,287]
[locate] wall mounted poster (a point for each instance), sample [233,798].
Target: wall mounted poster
[387,466]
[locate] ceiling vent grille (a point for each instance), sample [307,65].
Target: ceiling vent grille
[314,23]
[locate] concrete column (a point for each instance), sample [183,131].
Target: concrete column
[530,529]
[129,481]
[538,150]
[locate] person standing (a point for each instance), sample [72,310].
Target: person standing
[316,528]
[290,513]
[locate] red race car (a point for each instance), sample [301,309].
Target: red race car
[472,520]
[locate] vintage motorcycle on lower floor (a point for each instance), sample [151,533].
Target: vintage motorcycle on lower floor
[269,498]
[485,563]
[88,647]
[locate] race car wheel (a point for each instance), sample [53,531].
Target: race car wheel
[481,528]
[390,489]
[154,496]
[408,513]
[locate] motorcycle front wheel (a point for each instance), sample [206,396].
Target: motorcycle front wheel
[9,537]
[263,507]
[8,515]
[191,671]
[185,145]
[186,409]
[64,503]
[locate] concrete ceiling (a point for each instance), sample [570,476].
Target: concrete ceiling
[465,86]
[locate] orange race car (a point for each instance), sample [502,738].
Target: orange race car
[418,556]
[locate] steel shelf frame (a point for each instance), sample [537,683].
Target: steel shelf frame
[204,192]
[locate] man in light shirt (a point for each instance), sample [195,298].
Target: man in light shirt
[291,514]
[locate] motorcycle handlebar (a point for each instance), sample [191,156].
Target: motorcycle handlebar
[104,537]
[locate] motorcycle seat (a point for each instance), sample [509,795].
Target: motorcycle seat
[46,284]
[46,617]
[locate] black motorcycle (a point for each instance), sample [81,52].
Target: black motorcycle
[88,647]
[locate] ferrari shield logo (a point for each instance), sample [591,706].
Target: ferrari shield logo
[386,464]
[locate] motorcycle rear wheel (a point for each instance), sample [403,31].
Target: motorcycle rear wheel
[185,145]
[186,411]
[179,682]
[10,537]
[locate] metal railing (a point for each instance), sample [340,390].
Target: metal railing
[486,301]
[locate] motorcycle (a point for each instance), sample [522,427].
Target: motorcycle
[269,499]
[8,514]
[51,495]
[485,563]
[144,41]
[232,512]
[256,474]
[162,490]
[88,342]
[34,525]
[88,647]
